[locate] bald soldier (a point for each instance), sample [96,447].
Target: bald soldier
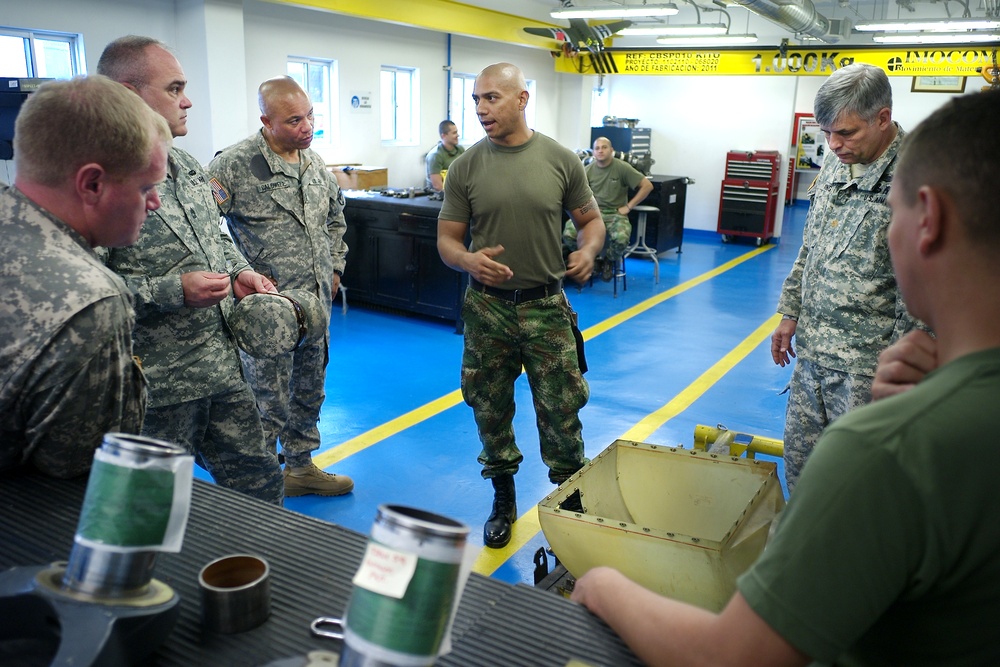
[286,213]
[183,272]
[88,155]
[509,191]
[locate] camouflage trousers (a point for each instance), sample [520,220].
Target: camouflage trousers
[619,230]
[500,338]
[290,393]
[818,396]
[224,434]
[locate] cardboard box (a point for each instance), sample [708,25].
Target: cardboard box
[359,176]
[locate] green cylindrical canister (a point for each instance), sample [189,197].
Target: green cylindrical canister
[124,517]
[381,629]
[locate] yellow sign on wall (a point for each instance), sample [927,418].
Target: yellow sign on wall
[792,61]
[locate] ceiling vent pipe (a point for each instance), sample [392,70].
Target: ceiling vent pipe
[799,16]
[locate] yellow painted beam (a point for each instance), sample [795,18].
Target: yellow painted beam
[793,61]
[439,15]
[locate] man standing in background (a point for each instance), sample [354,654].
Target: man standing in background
[286,213]
[88,155]
[840,299]
[182,271]
[441,156]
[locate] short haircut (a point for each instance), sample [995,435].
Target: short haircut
[859,88]
[957,150]
[272,89]
[125,61]
[507,76]
[445,126]
[66,124]
[603,139]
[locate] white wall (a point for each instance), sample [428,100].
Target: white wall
[908,108]
[273,32]
[695,121]
[227,47]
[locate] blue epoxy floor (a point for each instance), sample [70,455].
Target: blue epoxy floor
[384,366]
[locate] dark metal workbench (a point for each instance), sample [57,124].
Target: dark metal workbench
[312,563]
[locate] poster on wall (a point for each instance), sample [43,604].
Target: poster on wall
[361,101]
[811,144]
[808,149]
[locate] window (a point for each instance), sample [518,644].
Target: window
[41,54]
[317,78]
[463,109]
[400,102]
[600,106]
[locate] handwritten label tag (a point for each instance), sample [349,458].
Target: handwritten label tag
[385,571]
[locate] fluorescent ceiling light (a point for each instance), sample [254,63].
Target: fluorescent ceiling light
[677,30]
[707,41]
[948,25]
[614,11]
[937,38]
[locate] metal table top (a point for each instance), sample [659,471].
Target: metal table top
[312,563]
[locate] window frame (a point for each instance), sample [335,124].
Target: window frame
[395,135]
[328,109]
[31,37]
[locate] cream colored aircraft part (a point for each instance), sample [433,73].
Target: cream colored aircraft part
[681,522]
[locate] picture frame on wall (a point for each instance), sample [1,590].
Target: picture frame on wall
[938,84]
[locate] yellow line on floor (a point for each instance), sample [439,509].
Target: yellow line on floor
[417,415]
[527,526]
[639,308]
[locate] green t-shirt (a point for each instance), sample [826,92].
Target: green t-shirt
[612,183]
[439,159]
[516,197]
[888,552]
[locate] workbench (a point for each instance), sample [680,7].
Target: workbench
[312,563]
[393,261]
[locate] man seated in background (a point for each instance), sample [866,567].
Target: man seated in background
[441,156]
[886,552]
[88,154]
[611,179]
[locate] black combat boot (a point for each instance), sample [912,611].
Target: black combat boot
[497,531]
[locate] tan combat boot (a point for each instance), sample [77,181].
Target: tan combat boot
[311,480]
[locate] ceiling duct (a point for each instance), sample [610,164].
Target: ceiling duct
[799,16]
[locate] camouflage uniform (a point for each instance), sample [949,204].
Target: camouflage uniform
[542,179]
[500,337]
[291,227]
[843,291]
[619,231]
[438,160]
[198,397]
[67,375]
[610,185]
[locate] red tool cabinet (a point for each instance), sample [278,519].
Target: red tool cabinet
[749,198]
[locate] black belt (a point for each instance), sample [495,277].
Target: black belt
[516,296]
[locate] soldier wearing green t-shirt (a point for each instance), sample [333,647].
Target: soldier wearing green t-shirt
[611,180]
[886,553]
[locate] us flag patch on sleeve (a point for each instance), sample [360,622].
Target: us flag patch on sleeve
[219,192]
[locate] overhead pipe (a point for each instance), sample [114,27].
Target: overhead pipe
[799,16]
